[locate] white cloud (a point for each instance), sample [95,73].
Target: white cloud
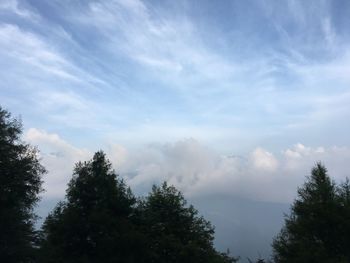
[329,33]
[214,86]
[59,157]
[174,46]
[335,158]
[118,155]
[30,49]
[46,79]
[14,7]
[198,170]
[36,54]
[168,44]
[195,168]
[264,160]
[219,98]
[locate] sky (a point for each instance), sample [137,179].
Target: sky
[236,98]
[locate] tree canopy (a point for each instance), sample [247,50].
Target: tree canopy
[317,230]
[20,181]
[93,224]
[101,221]
[176,232]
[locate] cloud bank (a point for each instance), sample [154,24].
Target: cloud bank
[195,169]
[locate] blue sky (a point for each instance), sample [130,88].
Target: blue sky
[236,77]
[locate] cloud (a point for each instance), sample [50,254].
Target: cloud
[199,170]
[142,60]
[156,40]
[195,169]
[264,160]
[59,158]
[14,7]
[28,48]
[174,45]
[301,156]
[31,49]
[45,77]
[139,72]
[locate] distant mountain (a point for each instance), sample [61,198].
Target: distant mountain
[244,226]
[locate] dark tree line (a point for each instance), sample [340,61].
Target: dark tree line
[20,184]
[318,228]
[100,220]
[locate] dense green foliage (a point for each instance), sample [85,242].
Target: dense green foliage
[175,231]
[317,230]
[20,184]
[94,224]
[101,221]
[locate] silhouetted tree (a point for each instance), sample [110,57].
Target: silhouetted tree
[344,219]
[259,260]
[20,184]
[314,230]
[175,231]
[94,223]
[100,221]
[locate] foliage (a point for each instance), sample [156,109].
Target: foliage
[101,221]
[20,181]
[317,229]
[94,223]
[259,260]
[175,231]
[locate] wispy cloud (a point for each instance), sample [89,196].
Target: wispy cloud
[14,7]
[144,71]
[33,50]
[40,73]
[171,45]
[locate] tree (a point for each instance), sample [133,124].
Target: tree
[101,221]
[344,218]
[259,260]
[94,224]
[313,231]
[174,230]
[20,184]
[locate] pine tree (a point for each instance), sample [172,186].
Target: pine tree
[312,231]
[175,231]
[94,223]
[344,219]
[20,184]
